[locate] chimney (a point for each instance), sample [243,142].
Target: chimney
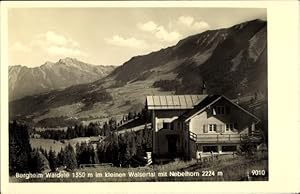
[204,91]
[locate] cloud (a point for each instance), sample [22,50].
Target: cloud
[20,47]
[201,26]
[186,20]
[159,34]
[54,38]
[191,24]
[131,42]
[148,26]
[164,35]
[57,39]
[56,44]
[159,31]
[51,44]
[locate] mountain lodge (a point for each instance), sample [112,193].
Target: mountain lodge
[186,124]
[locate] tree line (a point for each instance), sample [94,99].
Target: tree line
[94,128]
[127,149]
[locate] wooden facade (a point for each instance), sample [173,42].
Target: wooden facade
[207,123]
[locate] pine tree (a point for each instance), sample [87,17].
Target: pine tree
[61,158]
[100,152]
[70,157]
[19,148]
[78,151]
[83,154]
[92,155]
[52,158]
[132,144]
[38,161]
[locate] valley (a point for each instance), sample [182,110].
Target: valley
[231,61]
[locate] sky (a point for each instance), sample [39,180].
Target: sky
[109,36]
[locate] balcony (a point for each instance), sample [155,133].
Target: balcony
[216,138]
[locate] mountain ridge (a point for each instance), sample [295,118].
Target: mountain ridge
[231,61]
[25,81]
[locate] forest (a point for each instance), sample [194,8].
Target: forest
[123,150]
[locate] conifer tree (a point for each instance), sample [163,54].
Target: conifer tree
[92,155]
[38,161]
[70,157]
[60,157]
[52,158]
[19,148]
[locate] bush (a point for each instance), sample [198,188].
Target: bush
[247,147]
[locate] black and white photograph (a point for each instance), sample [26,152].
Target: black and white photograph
[161,97]
[138,94]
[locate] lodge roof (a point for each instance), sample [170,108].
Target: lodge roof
[173,101]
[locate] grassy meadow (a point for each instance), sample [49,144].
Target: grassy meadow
[55,145]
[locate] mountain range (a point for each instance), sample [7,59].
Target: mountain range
[230,61]
[25,81]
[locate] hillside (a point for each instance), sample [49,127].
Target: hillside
[25,81]
[231,61]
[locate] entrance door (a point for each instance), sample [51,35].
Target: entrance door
[172,148]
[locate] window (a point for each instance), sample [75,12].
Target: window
[212,127]
[229,126]
[166,125]
[220,110]
[210,148]
[230,148]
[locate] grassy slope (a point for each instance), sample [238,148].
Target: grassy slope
[53,144]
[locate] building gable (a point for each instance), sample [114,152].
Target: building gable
[209,102]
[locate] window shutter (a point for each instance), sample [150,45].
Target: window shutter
[214,111]
[205,129]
